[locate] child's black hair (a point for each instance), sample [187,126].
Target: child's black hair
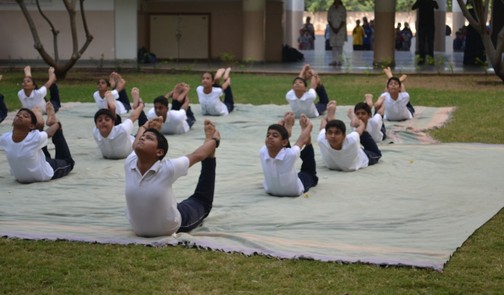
[363,106]
[32,115]
[338,124]
[105,112]
[301,79]
[162,100]
[162,142]
[280,129]
[394,79]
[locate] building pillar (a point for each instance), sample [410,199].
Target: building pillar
[294,10]
[440,25]
[254,29]
[384,45]
[458,18]
[125,18]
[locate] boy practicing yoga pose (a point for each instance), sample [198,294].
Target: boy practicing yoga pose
[115,141]
[180,100]
[395,101]
[300,100]
[278,159]
[152,208]
[174,121]
[24,148]
[209,93]
[374,123]
[307,73]
[117,86]
[343,152]
[32,97]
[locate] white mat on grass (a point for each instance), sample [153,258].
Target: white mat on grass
[415,207]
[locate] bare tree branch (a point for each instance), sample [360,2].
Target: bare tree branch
[53,30]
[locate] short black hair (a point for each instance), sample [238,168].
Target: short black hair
[32,115]
[280,129]
[106,81]
[363,106]
[300,78]
[105,112]
[161,139]
[394,79]
[338,124]
[162,100]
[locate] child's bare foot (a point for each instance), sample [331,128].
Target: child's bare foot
[368,99]
[110,101]
[156,123]
[403,78]
[226,74]
[137,100]
[51,114]
[288,122]
[113,79]
[331,110]
[211,133]
[27,71]
[1,76]
[388,72]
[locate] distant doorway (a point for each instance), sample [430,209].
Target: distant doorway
[180,36]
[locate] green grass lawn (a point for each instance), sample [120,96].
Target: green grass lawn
[60,267]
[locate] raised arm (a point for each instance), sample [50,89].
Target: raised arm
[304,70]
[138,103]
[379,102]
[52,78]
[356,122]
[207,149]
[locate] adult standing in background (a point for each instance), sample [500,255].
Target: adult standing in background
[308,27]
[336,17]
[426,28]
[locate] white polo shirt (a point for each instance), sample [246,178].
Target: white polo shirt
[101,102]
[210,103]
[396,110]
[176,121]
[151,203]
[118,144]
[26,160]
[304,105]
[373,127]
[35,99]
[280,175]
[351,157]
